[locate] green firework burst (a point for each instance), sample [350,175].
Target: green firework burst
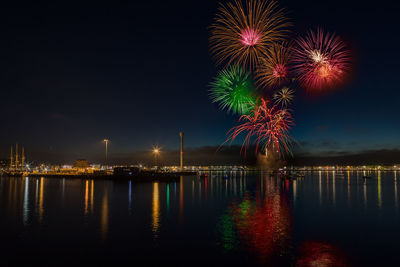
[232,90]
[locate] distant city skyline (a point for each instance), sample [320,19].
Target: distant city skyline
[208,155]
[72,77]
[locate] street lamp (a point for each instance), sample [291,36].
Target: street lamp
[106,141]
[156,151]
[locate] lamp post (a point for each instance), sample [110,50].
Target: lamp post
[106,141]
[181,156]
[156,151]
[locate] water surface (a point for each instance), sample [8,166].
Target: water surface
[324,219]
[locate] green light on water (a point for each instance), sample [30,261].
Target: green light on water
[245,207]
[228,237]
[167,198]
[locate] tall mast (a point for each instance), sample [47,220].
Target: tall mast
[22,159]
[11,158]
[16,156]
[181,156]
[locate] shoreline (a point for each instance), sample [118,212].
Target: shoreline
[142,177]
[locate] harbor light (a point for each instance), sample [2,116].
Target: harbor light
[156,152]
[106,141]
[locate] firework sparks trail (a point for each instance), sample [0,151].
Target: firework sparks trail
[283,97]
[321,60]
[273,69]
[241,34]
[232,89]
[267,126]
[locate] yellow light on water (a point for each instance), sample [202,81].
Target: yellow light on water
[156,209]
[86,197]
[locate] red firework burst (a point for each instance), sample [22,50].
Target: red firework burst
[273,69]
[265,125]
[321,60]
[242,33]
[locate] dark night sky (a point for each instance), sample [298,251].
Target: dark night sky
[138,73]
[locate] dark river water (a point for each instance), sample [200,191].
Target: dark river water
[323,219]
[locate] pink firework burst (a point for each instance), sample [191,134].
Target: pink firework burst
[321,60]
[250,37]
[267,125]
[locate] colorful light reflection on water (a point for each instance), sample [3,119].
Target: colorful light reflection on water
[262,223]
[321,254]
[232,218]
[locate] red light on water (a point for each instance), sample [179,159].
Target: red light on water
[320,254]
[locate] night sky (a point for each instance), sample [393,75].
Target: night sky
[138,73]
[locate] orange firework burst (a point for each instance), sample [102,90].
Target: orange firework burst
[273,69]
[242,33]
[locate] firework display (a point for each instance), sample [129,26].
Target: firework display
[320,60]
[250,38]
[273,69]
[232,90]
[283,97]
[242,33]
[268,124]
